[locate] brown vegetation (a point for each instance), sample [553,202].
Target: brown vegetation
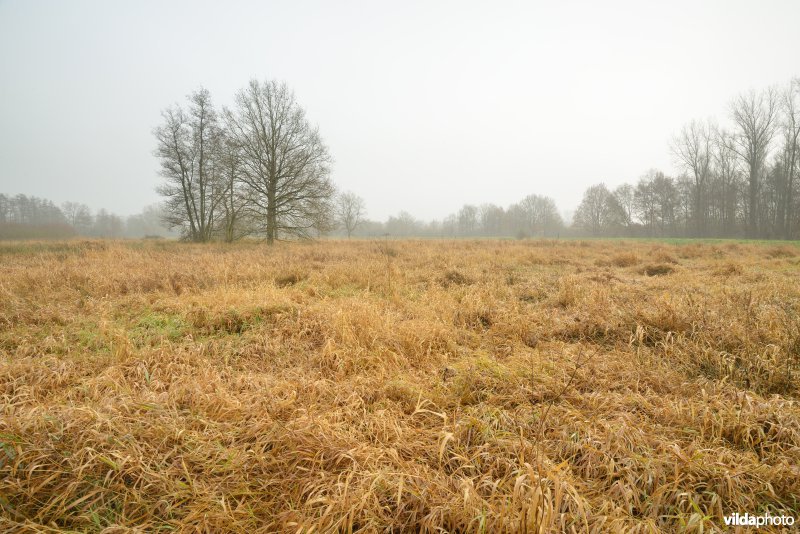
[539,387]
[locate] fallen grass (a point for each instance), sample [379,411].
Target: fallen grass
[367,386]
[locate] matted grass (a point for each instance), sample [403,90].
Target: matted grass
[460,386]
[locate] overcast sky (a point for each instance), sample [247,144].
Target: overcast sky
[425,105]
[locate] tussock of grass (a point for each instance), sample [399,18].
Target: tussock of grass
[289,279]
[453,277]
[657,269]
[662,256]
[356,386]
[729,269]
[781,252]
[625,260]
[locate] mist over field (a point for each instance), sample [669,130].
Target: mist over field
[425,109]
[418,267]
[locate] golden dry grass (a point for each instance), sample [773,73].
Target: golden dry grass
[470,386]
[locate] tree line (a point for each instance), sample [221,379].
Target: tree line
[739,181]
[533,216]
[260,169]
[30,217]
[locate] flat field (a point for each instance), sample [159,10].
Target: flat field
[437,386]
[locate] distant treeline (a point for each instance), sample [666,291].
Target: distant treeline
[736,182]
[266,175]
[29,217]
[533,216]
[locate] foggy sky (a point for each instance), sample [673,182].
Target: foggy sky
[424,105]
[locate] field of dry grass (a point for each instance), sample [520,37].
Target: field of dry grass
[467,386]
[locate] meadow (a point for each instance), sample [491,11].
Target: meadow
[398,386]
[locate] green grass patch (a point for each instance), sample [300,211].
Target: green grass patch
[154,327]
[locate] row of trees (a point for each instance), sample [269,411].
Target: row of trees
[23,209]
[533,216]
[736,182]
[26,217]
[30,217]
[258,168]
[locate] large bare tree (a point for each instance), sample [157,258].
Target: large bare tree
[187,144]
[285,163]
[755,115]
[350,211]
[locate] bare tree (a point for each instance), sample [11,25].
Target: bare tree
[540,215]
[790,131]
[324,215]
[692,149]
[233,222]
[755,115]
[107,224]
[666,198]
[350,211]
[467,219]
[187,144]
[625,195]
[727,172]
[23,209]
[645,204]
[5,208]
[492,219]
[599,212]
[403,224]
[285,162]
[148,223]
[78,215]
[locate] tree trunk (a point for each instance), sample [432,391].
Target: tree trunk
[789,215]
[698,223]
[751,223]
[271,213]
